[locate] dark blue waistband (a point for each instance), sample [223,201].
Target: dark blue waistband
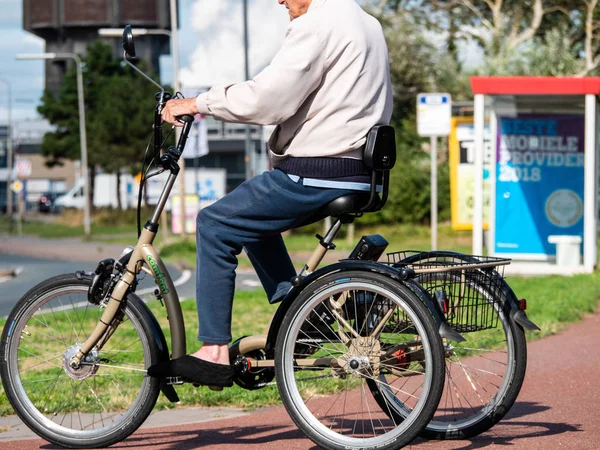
[324,167]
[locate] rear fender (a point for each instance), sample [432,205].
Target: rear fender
[516,313]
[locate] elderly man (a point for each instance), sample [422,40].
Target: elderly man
[325,88]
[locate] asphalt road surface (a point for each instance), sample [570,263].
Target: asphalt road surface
[36,259]
[31,271]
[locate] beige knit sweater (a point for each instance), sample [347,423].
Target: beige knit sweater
[325,88]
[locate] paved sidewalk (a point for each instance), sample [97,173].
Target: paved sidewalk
[76,249]
[13,429]
[557,409]
[71,249]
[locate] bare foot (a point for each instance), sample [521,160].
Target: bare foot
[214,353]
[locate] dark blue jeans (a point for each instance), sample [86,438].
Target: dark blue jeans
[253,216]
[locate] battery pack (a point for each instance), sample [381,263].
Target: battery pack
[369,248]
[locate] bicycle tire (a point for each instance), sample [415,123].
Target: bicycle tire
[309,334]
[490,390]
[103,401]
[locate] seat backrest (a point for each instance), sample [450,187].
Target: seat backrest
[380,149]
[380,156]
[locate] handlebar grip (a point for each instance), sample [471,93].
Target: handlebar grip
[186,118]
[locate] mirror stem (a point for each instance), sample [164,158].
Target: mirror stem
[142,73]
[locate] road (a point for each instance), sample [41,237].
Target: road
[40,259]
[31,271]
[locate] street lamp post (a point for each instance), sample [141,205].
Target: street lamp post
[82,134]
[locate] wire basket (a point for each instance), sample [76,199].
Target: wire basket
[443,261]
[468,289]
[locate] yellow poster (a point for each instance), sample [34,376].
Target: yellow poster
[462,176]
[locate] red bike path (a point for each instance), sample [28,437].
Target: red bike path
[558,408]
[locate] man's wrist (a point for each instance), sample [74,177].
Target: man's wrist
[201,104]
[192,105]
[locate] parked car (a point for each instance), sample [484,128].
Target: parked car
[47,203]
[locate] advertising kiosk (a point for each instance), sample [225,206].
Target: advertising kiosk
[544,177]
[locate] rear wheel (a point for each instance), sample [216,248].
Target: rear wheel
[484,374]
[107,397]
[347,329]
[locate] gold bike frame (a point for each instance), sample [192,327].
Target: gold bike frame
[143,254]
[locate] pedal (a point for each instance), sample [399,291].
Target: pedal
[174,381]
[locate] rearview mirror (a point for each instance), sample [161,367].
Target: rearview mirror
[128,45]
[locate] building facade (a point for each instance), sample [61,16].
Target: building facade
[68,26]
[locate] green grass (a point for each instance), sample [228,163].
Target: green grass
[553,302]
[108,225]
[301,243]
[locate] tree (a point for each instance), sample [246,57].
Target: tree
[500,27]
[589,21]
[119,115]
[551,55]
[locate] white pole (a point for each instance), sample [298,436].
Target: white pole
[434,193]
[83,138]
[176,87]
[491,241]
[248,147]
[20,197]
[478,176]
[590,214]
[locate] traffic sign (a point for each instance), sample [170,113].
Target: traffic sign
[16,187]
[434,114]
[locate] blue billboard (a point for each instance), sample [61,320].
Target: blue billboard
[539,182]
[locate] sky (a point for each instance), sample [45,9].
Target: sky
[210,48]
[26,82]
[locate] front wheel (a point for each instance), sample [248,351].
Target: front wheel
[96,405]
[344,330]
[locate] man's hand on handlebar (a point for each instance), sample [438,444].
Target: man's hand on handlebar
[178,107]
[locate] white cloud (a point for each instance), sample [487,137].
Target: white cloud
[216,29]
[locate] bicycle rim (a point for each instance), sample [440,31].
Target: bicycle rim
[330,401]
[483,376]
[96,401]
[479,372]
